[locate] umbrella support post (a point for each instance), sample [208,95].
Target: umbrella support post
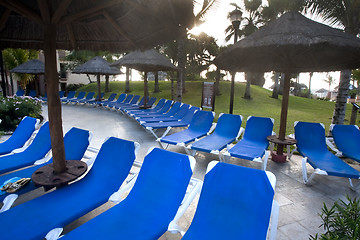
[279,156]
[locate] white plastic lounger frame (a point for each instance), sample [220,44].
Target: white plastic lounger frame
[175,228]
[330,143]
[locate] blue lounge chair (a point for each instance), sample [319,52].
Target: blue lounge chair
[20,93]
[254,144]
[149,103]
[89,96]
[347,140]
[61,95]
[200,126]
[58,208]
[158,106]
[162,110]
[20,136]
[177,116]
[151,204]
[96,99]
[79,97]
[183,122]
[76,142]
[226,131]
[38,148]
[172,111]
[235,203]
[133,101]
[110,99]
[311,145]
[120,99]
[32,93]
[130,106]
[70,95]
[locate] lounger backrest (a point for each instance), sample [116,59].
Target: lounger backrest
[121,98]
[70,94]
[76,141]
[160,104]
[128,98]
[142,101]
[166,107]
[41,143]
[202,121]
[182,111]
[112,97]
[90,95]
[81,95]
[258,128]
[32,93]
[346,137]
[21,134]
[101,95]
[228,125]
[190,114]
[61,94]
[310,136]
[20,93]
[151,101]
[135,99]
[235,203]
[174,109]
[161,183]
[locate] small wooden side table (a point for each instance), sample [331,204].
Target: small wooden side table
[279,156]
[46,177]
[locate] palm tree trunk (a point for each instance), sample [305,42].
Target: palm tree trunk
[247,94]
[181,63]
[172,89]
[107,89]
[217,82]
[3,85]
[275,93]
[341,98]
[127,81]
[156,86]
[309,92]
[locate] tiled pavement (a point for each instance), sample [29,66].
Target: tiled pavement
[299,204]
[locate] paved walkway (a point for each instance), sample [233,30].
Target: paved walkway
[299,204]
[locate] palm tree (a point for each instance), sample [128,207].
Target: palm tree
[199,19]
[329,80]
[15,57]
[343,13]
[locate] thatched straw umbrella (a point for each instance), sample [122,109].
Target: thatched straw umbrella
[292,44]
[97,66]
[146,61]
[34,66]
[111,25]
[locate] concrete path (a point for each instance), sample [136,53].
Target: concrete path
[299,204]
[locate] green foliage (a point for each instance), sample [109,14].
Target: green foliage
[341,221]
[15,57]
[73,87]
[13,109]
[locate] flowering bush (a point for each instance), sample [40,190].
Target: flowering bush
[13,109]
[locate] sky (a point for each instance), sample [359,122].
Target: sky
[215,25]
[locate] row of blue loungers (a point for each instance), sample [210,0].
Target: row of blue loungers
[253,145]
[159,195]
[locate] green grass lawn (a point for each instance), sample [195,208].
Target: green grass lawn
[261,104]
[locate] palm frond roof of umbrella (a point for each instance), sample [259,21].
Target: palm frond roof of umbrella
[34,66]
[97,65]
[111,25]
[146,61]
[293,43]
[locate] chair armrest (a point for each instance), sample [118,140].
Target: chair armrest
[18,150]
[213,126]
[116,196]
[331,145]
[43,160]
[241,131]
[189,197]
[8,202]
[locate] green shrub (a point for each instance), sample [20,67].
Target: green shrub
[341,221]
[73,87]
[13,109]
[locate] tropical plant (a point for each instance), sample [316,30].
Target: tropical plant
[15,57]
[329,80]
[341,221]
[346,14]
[13,109]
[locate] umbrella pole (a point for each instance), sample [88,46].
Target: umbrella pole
[232,92]
[145,89]
[283,118]
[54,104]
[98,87]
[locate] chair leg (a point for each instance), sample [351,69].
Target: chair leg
[266,157]
[225,157]
[274,220]
[352,186]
